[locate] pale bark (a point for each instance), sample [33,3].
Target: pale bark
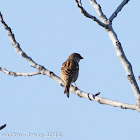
[85,13]
[18,73]
[118,10]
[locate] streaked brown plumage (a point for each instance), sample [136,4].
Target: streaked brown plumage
[70,70]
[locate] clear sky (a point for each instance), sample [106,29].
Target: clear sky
[49,31]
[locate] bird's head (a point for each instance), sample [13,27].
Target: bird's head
[76,57]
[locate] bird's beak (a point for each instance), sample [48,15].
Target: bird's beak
[82,57]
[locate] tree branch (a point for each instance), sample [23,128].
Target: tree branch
[18,73]
[118,10]
[44,71]
[86,14]
[103,100]
[98,9]
[1,127]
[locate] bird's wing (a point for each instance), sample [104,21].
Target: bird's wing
[70,68]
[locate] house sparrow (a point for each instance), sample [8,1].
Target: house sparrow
[70,70]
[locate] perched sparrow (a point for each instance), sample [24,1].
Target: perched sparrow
[70,70]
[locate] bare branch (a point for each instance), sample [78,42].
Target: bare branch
[16,45]
[1,127]
[44,71]
[103,100]
[118,10]
[126,64]
[18,73]
[86,14]
[98,9]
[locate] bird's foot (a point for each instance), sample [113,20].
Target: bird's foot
[75,88]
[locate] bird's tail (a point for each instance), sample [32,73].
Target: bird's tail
[67,87]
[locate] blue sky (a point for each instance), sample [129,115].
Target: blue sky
[49,31]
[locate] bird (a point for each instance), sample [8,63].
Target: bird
[70,71]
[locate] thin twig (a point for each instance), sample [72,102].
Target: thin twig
[99,11]
[2,126]
[18,73]
[118,10]
[86,14]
